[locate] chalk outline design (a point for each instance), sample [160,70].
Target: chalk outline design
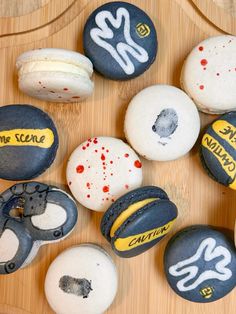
[119,53]
[211,252]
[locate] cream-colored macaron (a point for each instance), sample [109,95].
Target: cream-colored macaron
[209,74]
[56,75]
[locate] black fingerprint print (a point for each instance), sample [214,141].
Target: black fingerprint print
[79,287]
[166,123]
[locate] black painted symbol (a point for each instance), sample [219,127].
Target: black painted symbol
[166,123]
[79,287]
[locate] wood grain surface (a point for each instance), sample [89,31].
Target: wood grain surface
[180,25]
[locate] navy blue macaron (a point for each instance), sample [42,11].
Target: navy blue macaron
[138,220]
[28,142]
[200,264]
[218,150]
[32,214]
[121,41]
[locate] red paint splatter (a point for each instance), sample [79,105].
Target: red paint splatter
[204,69]
[107,199]
[96,150]
[126,186]
[103,148]
[104,164]
[80,169]
[103,157]
[89,167]
[107,150]
[65,89]
[95,141]
[111,162]
[104,168]
[137,164]
[200,48]
[87,145]
[201,87]
[83,147]
[113,200]
[217,74]
[105,189]
[88,196]
[204,62]
[88,185]
[126,155]
[111,174]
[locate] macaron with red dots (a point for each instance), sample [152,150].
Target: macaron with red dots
[209,74]
[102,169]
[56,75]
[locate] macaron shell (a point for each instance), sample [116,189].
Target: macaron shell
[21,156]
[218,149]
[124,202]
[56,86]
[121,40]
[79,270]
[102,169]
[209,74]
[144,228]
[162,123]
[200,264]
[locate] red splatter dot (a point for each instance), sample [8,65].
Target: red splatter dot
[113,200]
[217,74]
[88,185]
[104,168]
[107,199]
[126,186]
[80,169]
[103,148]
[204,69]
[204,62]
[87,145]
[137,164]
[89,140]
[89,167]
[65,89]
[70,183]
[111,162]
[126,155]
[103,157]
[111,174]
[200,48]
[88,196]
[83,147]
[95,141]
[104,164]
[105,189]
[201,87]
[96,150]
[107,150]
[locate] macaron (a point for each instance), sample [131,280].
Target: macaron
[218,150]
[82,279]
[209,74]
[28,142]
[200,264]
[32,214]
[162,123]
[56,75]
[138,220]
[121,41]
[100,170]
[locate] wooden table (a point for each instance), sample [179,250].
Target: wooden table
[181,24]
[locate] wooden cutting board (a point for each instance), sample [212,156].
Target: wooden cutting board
[181,24]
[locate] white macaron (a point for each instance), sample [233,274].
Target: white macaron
[209,74]
[102,169]
[56,75]
[162,123]
[81,280]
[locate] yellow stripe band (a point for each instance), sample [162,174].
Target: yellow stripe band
[225,159]
[129,243]
[226,131]
[127,213]
[43,138]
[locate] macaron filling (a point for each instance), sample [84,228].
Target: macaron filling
[127,213]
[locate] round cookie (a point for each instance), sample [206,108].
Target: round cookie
[209,74]
[218,150]
[121,40]
[82,279]
[28,142]
[200,264]
[56,75]
[162,123]
[32,214]
[102,169]
[138,220]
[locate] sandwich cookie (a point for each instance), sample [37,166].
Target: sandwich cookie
[218,150]
[138,220]
[32,214]
[28,142]
[82,279]
[56,75]
[121,40]
[162,123]
[209,74]
[200,264]
[102,169]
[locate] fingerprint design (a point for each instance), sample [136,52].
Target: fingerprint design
[166,123]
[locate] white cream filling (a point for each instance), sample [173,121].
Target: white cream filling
[52,66]
[9,245]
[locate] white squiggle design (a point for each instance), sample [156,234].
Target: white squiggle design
[211,252]
[119,53]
